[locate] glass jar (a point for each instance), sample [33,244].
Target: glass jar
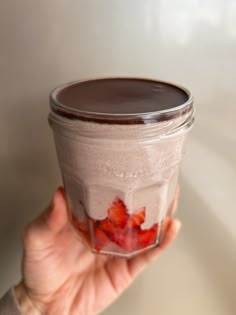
[119,143]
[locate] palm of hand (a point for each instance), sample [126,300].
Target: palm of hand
[62,276]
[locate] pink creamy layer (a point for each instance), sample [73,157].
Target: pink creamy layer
[132,162]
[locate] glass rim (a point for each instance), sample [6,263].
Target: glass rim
[159,115]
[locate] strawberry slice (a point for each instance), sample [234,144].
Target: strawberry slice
[107,226]
[127,241]
[100,239]
[147,237]
[79,225]
[117,213]
[84,226]
[136,219]
[75,221]
[130,244]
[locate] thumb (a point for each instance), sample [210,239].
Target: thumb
[43,230]
[56,217]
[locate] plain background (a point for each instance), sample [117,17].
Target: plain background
[191,42]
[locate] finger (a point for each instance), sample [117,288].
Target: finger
[123,271]
[138,263]
[170,235]
[165,225]
[49,223]
[174,203]
[58,217]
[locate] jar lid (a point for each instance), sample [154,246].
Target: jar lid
[121,100]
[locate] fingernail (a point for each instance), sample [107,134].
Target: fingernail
[178,225]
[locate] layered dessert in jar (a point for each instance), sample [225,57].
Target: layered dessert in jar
[119,143]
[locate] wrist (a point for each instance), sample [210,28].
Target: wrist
[26,305]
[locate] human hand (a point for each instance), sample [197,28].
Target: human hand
[62,276]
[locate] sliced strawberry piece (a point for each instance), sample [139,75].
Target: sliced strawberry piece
[80,225]
[81,228]
[84,226]
[147,237]
[118,238]
[117,213]
[136,219]
[107,226]
[128,242]
[100,239]
[75,221]
[127,239]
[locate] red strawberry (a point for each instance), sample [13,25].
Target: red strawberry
[130,243]
[118,238]
[84,226]
[81,228]
[100,239]
[136,219]
[107,226]
[75,221]
[126,241]
[79,225]
[147,237]
[117,213]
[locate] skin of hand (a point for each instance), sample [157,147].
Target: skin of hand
[61,275]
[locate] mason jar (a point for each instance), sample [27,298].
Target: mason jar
[119,144]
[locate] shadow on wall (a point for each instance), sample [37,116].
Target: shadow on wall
[212,241]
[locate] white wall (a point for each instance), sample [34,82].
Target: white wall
[192,42]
